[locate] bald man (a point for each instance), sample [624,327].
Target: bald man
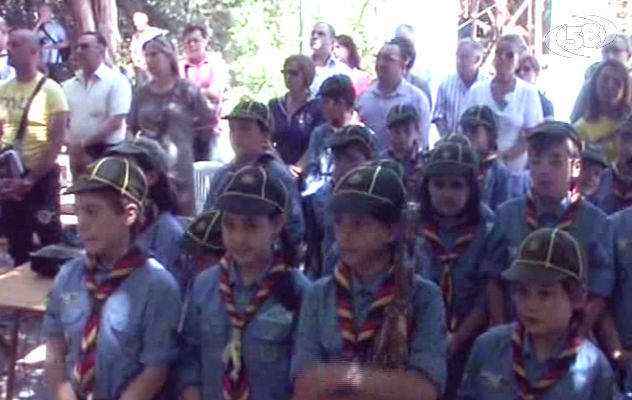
[30,202]
[6,71]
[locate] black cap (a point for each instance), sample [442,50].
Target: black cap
[594,154]
[556,128]
[254,191]
[350,134]
[204,234]
[451,157]
[479,116]
[253,111]
[146,151]
[367,188]
[402,113]
[117,173]
[548,256]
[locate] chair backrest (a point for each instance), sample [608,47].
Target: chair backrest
[203,175]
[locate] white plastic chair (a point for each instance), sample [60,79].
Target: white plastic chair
[203,175]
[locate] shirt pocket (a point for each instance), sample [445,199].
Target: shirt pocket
[127,335]
[73,322]
[214,338]
[273,340]
[495,386]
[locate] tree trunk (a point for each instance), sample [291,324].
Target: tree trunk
[83,14]
[106,17]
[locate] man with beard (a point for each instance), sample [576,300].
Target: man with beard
[322,44]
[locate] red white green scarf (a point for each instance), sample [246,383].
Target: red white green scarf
[567,220]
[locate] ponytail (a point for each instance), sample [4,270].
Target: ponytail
[285,290]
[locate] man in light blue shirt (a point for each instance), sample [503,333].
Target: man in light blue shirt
[54,40]
[322,44]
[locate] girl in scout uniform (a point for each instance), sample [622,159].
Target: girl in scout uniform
[240,325]
[371,330]
[162,233]
[542,355]
[453,230]
[111,315]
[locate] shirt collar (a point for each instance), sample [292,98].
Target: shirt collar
[528,350]
[205,60]
[559,210]
[236,280]
[4,53]
[100,73]
[371,289]
[397,92]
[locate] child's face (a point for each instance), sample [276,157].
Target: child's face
[449,194]
[246,137]
[345,159]
[543,309]
[102,229]
[402,136]
[589,178]
[361,238]
[250,239]
[333,110]
[551,170]
[479,136]
[624,149]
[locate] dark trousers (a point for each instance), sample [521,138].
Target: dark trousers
[33,215]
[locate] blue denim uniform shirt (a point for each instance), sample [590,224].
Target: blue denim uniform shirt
[267,341]
[495,185]
[162,240]
[622,295]
[489,373]
[605,197]
[137,329]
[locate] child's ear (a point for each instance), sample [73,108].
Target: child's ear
[580,298]
[132,214]
[278,223]
[576,168]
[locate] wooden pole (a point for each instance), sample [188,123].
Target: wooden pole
[537,33]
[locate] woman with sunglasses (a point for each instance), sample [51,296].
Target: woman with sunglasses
[297,113]
[528,71]
[515,102]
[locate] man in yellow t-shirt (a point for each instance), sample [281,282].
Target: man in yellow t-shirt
[30,204]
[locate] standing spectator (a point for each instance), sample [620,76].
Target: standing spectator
[99,98]
[296,114]
[54,42]
[528,71]
[515,102]
[322,44]
[172,111]
[617,49]
[407,33]
[609,100]
[31,203]
[389,90]
[208,71]
[346,51]
[144,33]
[454,89]
[6,71]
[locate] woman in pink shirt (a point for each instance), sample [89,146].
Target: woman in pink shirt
[346,51]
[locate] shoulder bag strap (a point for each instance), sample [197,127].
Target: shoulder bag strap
[19,137]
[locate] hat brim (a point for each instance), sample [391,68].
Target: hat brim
[521,272]
[355,203]
[342,140]
[595,160]
[477,122]
[128,149]
[84,185]
[446,168]
[237,203]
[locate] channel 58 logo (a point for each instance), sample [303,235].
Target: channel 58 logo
[579,41]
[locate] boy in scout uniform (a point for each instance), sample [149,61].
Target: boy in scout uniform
[543,355]
[594,163]
[371,329]
[111,315]
[240,325]
[554,156]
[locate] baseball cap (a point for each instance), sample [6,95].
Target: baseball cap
[477,116]
[401,113]
[368,187]
[120,174]
[147,152]
[204,234]
[594,154]
[548,256]
[254,111]
[253,191]
[352,133]
[556,128]
[451,157]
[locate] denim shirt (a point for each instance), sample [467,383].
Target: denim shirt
[296,223]
[496,184]
[319,333]
[591,228]
[489,372]
[318,157]
[137,329]
[622,295]
[606,200]
[162,240]
[469,290]
[267,341]
[324,216]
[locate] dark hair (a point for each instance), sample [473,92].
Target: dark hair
[118,202]
[98,36]
[574,290]
[542,141]
[368,153]
[472,209]
[333,89]
[347,42]
[163,195]
[189,29]
[592,111]
[406,49]
[492,134]
[285,290]
[305,64]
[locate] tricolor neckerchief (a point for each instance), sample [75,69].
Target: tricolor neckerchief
[449,259]
[567,220]
[622,187]
[558,367]
[85,368]
[236,384]
[356,344]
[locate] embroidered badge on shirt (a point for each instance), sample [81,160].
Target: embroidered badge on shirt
[492,381]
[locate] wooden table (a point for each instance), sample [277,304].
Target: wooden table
[23,292]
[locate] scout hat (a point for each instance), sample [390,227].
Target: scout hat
[148,152]
[350,134]
[253,191]
[477,116]
[368,187]
[594,154]
[204,234]
[117,173]
[450,157]
[402,113]
[548,256]
[253,111]
[556,128]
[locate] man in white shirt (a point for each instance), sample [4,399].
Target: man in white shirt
[6,71]
[99,98]
[454,88]
[322,45]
